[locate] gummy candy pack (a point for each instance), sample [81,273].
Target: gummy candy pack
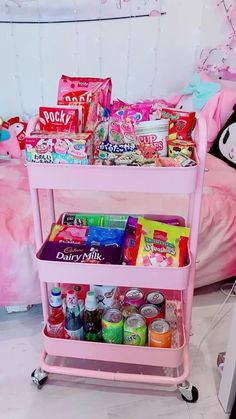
[160,244]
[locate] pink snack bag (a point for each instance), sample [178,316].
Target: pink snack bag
[71,234]
[82,89]
[137,113]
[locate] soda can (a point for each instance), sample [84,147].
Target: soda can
[135,330]
[128,310]
[112,326]
[157,299]
[150,312]
[134,297]
[159,334]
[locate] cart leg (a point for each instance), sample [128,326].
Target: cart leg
[189,393]
[37,217]
[51,206]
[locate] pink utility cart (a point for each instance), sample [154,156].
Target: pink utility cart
[172,365]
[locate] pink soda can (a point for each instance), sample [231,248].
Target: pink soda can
[134,297]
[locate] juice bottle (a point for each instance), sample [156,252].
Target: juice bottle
[92,319]
[56,319]
[73,321]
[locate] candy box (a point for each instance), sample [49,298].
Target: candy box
[184,161]
[185,147]
[59,119]
[181,123]
[83,111]
[59,148]
[80,253]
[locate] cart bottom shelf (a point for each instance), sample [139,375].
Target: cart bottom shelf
[117,371]
[128,354]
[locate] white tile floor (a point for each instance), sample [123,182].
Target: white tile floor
[20,345]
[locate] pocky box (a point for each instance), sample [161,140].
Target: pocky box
[88,94]
[59,119]
[181,123]
[59,148]
[82,89]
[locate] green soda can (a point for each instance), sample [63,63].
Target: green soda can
[135,330]
[112,326]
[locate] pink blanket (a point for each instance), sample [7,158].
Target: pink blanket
[18,271]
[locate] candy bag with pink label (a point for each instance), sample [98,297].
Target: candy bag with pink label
[82,89]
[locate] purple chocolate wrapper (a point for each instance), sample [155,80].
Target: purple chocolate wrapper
[129,241]
[78,253]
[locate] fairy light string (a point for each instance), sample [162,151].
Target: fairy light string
[156,49]
[100,48]
[16,76]
[76,29]
[129,40]
[41,69]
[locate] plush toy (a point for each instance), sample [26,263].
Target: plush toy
[224,146]
[9,145]
[20,128]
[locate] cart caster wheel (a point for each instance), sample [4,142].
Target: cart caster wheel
[39,377]
[189,393]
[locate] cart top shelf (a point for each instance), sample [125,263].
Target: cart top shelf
[112,178]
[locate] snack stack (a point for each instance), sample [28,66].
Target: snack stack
[66,130]
[84,128]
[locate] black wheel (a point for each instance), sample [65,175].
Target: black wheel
[190,395]
[39,378]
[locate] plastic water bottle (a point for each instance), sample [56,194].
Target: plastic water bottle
[73,321]
[56,319]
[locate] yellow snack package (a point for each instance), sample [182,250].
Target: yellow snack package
[160,244]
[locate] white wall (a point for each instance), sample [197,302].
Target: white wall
[145,56]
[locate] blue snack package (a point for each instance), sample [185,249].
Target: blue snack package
[102,236]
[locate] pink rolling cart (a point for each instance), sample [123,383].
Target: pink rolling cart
[149,365]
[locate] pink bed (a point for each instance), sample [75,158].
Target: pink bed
[18,271]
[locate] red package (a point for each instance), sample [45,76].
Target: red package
[53,119]
[181,123]
[82,89]
[83,110]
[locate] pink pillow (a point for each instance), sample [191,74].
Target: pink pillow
[216,111]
